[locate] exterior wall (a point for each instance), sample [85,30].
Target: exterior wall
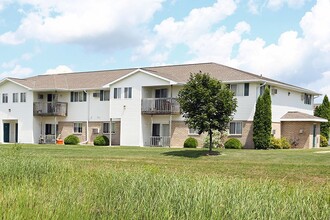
[287,100]
[180,134]
[66,129]
[246,138]
[300,133]
[19,112]
[128,111]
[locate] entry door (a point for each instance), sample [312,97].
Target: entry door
[314,135]
[51,99]
[6,132]
[155,139]
[160,102]
[161,93]
[155,130]
[16,132]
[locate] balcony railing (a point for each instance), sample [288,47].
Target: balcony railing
[50,109]
[160,141]
[47,139]
[160,106]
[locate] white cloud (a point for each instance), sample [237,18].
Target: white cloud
[107,23]
[277,4]
[191,31]
[17,72]
[59,69]
[293,58]
[321,84]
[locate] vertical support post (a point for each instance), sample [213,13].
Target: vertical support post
[152,122]
[170,131]
[55,119]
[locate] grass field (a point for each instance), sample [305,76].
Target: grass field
[80,182]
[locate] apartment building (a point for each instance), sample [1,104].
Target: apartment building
[138,106]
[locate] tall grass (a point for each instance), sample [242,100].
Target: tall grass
[44,188]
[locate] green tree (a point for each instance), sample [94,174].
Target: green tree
[262,121]
[207,104]
[323,111]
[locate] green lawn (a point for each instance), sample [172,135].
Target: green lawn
[81,182]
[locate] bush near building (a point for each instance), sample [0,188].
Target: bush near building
[71,140]
[190,143]
[233,143]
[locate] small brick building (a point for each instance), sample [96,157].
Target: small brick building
[303,130]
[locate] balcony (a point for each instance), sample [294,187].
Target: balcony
[160,141]
[160,106]
[50,109]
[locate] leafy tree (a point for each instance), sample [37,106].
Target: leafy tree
[323,111]
[262,121]
[207,104]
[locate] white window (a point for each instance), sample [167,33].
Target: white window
[5,98]
[104,95]
[128,92]
[235,127]
[106,128]
[192,131]
[78,96]
[117,93]
[15,97]
[241,89]
[307,99]
[23,97]
[77,127]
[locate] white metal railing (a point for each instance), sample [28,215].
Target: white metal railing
[160,141]
[160,106]
[50,108]
[47,139]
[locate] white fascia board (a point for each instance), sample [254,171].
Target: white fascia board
[280,85]
[143,71]
[306,119]
[12,81]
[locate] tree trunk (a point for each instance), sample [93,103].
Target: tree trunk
[210,146]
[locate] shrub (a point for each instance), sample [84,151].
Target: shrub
[71,140]
[279,143]
[101,140]
[233,143]
[275,143]
[218,139]
[190,143]
[285,143]
[323,141]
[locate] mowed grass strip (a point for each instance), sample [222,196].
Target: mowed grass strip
[51,182]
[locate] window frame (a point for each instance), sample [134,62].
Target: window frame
[4,97]
[128,92]
[113,130]
[104,95]
[307,99]
[78,96]
[15,97]
[243,88]
[77,127]
[236,128]
[23,97]
[117,93]
[192,131]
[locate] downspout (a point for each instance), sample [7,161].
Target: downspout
[110,121]
[170,128]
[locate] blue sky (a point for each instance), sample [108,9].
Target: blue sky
[288,40]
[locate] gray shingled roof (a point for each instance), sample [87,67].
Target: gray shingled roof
[176,73]
[299,116]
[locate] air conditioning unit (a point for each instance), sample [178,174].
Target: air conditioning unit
[96,94]
[274,91]
[96,130]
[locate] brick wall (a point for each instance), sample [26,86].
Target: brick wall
[300,133]
[180,134]
[66,129]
